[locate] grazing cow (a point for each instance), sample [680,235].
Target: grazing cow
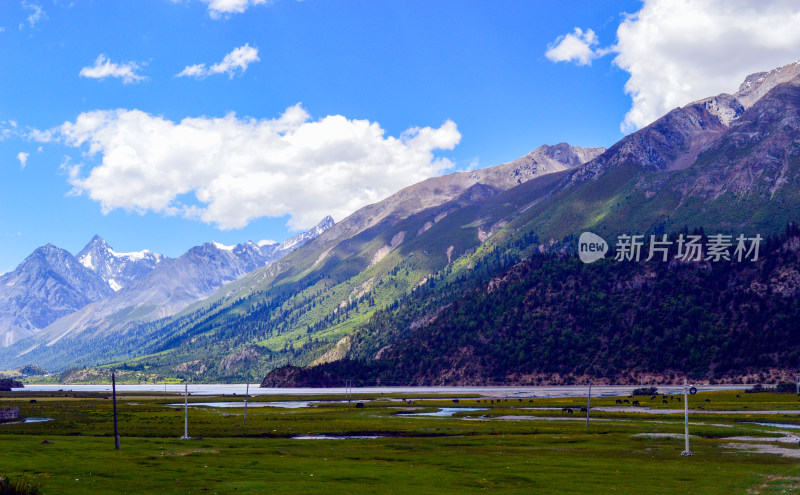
[636,403]
[738,396]
[708,400]
[583,409]
[568,410]
[619,401]
[678,398]
[663,401]
[626,401]
[652,397]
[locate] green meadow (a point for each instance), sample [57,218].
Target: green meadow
[510,445]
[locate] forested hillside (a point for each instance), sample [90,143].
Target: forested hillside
[551,318]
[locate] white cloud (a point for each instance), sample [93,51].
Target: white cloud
[37,14]
[577,47]
[23,158]
[240,58]
[242,169]
[221,8]
[41,136]
[103,68]
[678,51]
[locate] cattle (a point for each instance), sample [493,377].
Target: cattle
[626,401]
[619,401]
[636,403]
[664,401]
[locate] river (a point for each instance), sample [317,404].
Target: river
[506,392]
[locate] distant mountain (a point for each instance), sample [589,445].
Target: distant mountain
[174,284]
[117,269]
[49,284]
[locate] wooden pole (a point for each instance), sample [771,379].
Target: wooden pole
[588,404]
[114,396]
[246,395]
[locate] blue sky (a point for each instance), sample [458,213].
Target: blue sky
[302,108]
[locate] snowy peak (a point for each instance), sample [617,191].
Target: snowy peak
[47,285]
[117,269]
[265,252]
[304,238]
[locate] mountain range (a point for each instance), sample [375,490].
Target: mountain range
[53,293]
[727,164]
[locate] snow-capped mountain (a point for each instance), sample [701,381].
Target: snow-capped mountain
[302,239]
[49,284]
[174,284]
[117,269]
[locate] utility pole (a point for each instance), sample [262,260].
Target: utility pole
[114,395]
[186,413]
[588,404]
[686,452]
[246,394]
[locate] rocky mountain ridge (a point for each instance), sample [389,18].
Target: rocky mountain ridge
[47,285]
[117,269]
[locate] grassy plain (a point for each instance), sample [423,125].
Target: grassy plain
[512,445]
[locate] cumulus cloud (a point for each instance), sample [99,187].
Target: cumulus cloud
[23,158]
[221,8]
[103,68]
[239,59]
[678,51]
[577,46]
[229,171]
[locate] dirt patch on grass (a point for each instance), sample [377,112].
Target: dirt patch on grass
[762,448]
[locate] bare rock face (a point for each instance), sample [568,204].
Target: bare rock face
[755,86]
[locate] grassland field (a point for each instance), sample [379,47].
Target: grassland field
[511,445]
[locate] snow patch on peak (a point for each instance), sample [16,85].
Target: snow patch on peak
[114,285]
[135,255]
[87,261]
[222,247]
[266,242]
